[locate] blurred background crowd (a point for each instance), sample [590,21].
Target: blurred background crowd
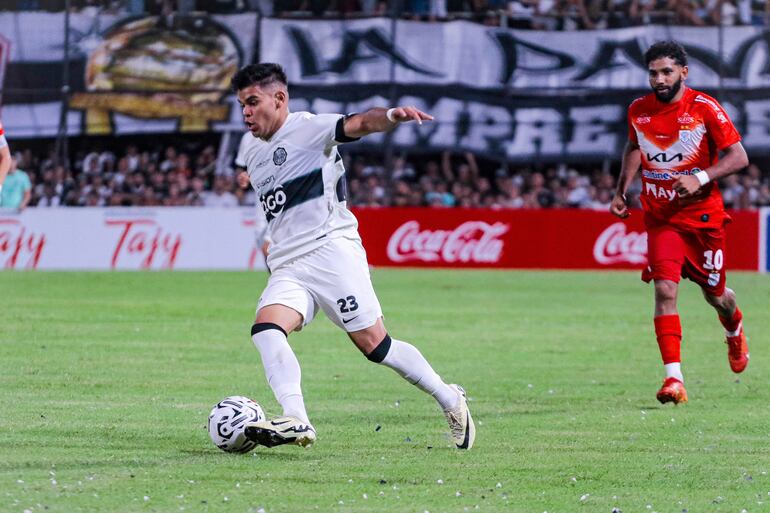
[187,174]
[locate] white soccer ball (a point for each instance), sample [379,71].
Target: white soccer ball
[228,419]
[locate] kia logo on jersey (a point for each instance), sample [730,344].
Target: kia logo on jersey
[664,157]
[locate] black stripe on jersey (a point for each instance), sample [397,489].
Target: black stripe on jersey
[339,131]
[342,189]
[295,192]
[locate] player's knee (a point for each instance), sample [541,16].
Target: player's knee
[378,354]
[665,290]
[260,327]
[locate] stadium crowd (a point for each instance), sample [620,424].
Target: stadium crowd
[191,176]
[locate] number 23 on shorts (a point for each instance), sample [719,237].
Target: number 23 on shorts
[347,304]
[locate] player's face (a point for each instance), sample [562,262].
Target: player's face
[666,77]
[263,108]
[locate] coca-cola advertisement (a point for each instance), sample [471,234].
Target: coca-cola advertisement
[526,239]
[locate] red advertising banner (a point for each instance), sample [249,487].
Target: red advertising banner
[540,239]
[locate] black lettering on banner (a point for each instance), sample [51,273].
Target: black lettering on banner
[347,304]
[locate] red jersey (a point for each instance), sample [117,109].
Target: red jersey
[680,138]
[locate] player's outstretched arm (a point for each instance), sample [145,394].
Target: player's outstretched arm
[632,160]
[380,120]
[733,159]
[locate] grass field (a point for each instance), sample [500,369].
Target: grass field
[106,381]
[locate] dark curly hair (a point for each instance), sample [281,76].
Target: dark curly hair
[261,74]
[663,49]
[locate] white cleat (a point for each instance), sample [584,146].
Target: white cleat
[280,431]
[460,421]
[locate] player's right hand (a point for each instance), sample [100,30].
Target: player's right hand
[619,207]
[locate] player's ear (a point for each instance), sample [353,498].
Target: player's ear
[685,70]
[280,98]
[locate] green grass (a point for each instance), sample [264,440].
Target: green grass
[106,381]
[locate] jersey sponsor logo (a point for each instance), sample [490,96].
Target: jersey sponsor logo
[614,245]
[292,193]
[657,191]
[265,182]
[279,156]
[273,202]
[664,157]
[472,241]
[262,163]
[667,175]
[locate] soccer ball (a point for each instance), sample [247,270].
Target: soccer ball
[227,421]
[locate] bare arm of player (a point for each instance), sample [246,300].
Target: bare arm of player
[5,162]
[632,160]
[733,160]
[376,120]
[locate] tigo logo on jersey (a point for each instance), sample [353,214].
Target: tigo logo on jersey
[273,202]
[279,156]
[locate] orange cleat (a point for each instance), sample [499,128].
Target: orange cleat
[672,391]
[737,352]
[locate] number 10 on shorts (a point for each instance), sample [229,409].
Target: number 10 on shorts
[714,260]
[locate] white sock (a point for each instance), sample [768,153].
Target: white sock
[674,370]
[736,332]
[282,371]
[411,365]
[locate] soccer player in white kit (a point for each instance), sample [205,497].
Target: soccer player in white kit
[316,258]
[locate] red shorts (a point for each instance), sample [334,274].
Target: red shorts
[696,255]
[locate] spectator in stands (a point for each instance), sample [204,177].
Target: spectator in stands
[221,195]
[17,188]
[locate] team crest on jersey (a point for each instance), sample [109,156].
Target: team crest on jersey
[685,119]
[279,156]
[685,136]
[643,119]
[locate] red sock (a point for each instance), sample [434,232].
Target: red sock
[732,324]
[668,330]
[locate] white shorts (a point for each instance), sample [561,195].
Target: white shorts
[334,277]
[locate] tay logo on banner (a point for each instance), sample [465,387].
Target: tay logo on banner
[20,248]
[146,240]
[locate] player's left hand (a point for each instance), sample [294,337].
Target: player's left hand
[410,113]
[242,179]
[686,185]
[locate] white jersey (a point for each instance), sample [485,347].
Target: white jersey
[299,179]
[260,223]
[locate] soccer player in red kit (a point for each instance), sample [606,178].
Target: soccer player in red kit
[675,135]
